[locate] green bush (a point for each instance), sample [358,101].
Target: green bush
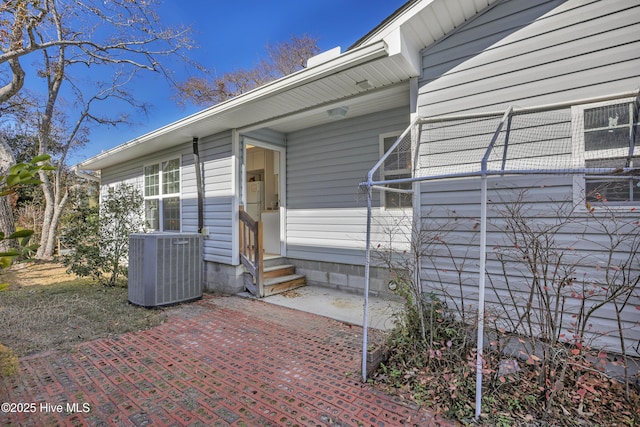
[20,175]
[101,241]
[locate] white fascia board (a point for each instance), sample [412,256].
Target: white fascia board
[405,49]
[324,57]
[345,61]
[404,16]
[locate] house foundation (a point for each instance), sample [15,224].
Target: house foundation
[227,279]
[223,278]
[345,277]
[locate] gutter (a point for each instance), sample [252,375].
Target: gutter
[85,175]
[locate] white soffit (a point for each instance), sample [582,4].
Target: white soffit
[377,100]
[300,92]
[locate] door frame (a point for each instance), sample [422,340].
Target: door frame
[282,182]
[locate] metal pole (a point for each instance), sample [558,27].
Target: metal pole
[365,321]
[483,260]
[481,285]
[531,109]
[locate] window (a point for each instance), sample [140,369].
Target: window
[608,138]
[396,166]
[162,196]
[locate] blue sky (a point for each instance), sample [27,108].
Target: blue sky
[233,34]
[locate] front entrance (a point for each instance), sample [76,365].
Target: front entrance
[263,184]
[262,224]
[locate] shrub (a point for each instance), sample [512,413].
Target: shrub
[102,240]
[538,367]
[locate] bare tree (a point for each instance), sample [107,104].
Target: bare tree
[7,224]
[290,56]
[14,110]
[123,34]
[282,59]
[70,135]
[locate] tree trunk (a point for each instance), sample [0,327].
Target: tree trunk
[56,201]
[7,222]
[50,245]
[7,225]
[47,216]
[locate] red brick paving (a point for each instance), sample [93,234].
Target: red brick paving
[223,361]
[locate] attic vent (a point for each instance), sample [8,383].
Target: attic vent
[323,57]
[164,268]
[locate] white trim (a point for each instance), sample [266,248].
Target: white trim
[580,155]
[160,196]
[237,170]
[383,173]
[282,183]
[282,199]
[577,117]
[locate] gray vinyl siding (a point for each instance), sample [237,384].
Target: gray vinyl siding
[217,166]
[131,172]
[326,211]
[522,53]
[525,52]
[268,135]
[217,163]
[189,194]
[536,140]
[325,164]
[452,207]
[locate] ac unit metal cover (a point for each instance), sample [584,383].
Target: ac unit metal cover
[164,268]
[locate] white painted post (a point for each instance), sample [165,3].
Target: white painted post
[481,286]
[367,251]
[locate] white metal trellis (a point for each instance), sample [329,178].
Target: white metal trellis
[491,163]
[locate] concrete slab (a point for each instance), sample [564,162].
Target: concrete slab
[339,305]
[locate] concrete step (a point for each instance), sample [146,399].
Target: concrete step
[277,285]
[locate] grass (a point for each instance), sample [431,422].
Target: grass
[59,316]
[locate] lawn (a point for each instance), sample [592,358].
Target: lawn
[43,308]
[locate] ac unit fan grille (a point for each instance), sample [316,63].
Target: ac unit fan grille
[164,268]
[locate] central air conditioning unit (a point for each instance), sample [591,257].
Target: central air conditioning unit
[164,268]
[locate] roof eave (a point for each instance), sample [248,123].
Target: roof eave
[345,61]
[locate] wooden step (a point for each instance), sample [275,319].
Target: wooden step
[279,271]
[248,283]
[273,261]
[277,285]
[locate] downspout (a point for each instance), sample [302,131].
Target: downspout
[85,175]
[200,189]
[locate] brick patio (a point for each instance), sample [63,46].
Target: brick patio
[223,361]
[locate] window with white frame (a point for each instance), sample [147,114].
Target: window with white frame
[162,196]
[607,137]
[396,166]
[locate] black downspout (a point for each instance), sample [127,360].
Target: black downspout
[196,161]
